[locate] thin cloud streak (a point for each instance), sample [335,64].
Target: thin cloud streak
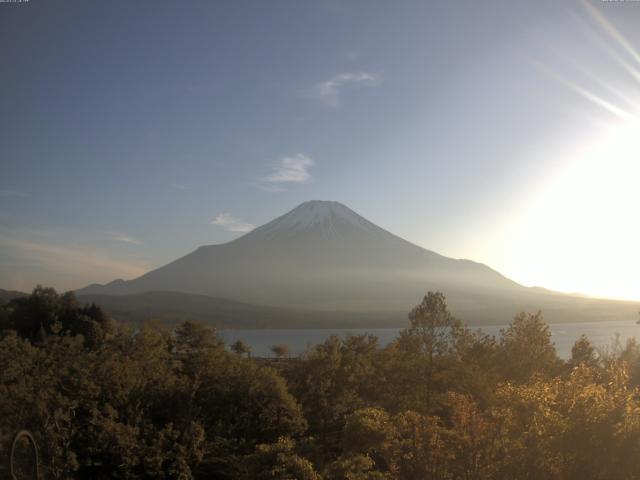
[329,91]
[125,238]
[232,224]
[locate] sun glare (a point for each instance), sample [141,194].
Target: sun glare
[582,230]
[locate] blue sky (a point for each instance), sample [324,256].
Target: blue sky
[133,132]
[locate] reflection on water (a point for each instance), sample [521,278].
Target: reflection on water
[601,334]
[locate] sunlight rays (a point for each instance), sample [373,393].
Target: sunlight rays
[611,30]
[597,39]
[614,90]
[585,92]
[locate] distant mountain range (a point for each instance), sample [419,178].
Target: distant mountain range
[322,264]
[7,295]
[169,307]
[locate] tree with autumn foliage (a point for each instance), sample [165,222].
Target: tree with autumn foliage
[440,402]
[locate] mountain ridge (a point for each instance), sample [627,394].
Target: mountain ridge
[317,242]
[322,256]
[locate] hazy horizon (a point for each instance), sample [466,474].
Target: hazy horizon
[135,132]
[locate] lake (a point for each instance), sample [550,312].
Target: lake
[564,335]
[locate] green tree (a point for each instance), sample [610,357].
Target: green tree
[45,312]
[332,380]
[191,338]
[583,353]
[418,450]
[278,461]
[432,334]
[368,438]
[280,350]
[527,349]
[241,348]
[240,404]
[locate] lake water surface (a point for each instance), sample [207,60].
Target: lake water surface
[601,334]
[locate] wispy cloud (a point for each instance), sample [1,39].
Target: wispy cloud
[125,238]
[231,223]
[291,169]
[13,193]
[329,91]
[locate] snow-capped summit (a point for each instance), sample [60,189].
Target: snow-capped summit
[316,212]
[328,218]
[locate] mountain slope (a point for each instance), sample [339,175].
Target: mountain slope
[323,257]
[171,307]
[319,255]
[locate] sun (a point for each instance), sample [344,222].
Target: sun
[581,231]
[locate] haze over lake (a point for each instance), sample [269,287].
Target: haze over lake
[601,334]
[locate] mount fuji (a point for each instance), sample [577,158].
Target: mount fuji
[324,257]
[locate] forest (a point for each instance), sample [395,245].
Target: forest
[112,401]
